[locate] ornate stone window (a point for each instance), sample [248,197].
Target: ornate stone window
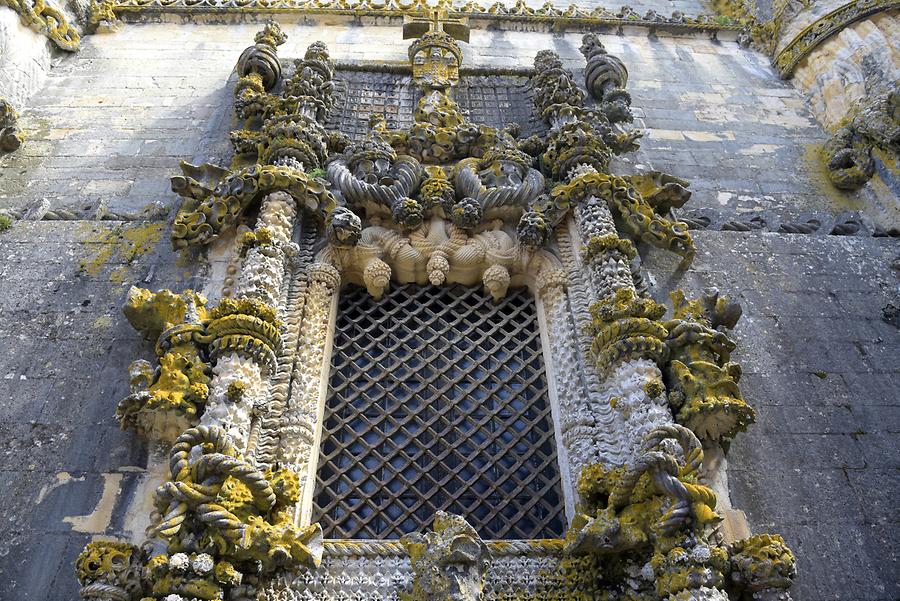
[439,419]
[438,401]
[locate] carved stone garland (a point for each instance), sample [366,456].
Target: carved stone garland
[239,388]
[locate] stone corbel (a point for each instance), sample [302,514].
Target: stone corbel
[702,381]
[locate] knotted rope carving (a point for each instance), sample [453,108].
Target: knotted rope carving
[195,485]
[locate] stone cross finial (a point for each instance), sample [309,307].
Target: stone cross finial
[435,20]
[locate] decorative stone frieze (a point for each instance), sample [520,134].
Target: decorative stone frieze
[496,14]
[815,33]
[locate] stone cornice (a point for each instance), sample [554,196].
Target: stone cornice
[571,18]
[815,33]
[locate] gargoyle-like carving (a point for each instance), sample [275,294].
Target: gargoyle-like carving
[10,135]
[637,216]
[224,522]
[166,400]
[702,381]
[874,123]
[661,191]
[450,563]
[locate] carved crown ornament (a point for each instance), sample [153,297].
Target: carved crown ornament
[236,389]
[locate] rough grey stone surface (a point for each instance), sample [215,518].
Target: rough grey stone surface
[64,352]
[821,360]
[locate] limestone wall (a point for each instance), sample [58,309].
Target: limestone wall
[24,59]
[107,129]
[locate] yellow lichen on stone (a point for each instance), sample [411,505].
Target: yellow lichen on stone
[123,244]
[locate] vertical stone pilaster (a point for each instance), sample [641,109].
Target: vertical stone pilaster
[301,423]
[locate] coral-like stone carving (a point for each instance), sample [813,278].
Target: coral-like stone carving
[637,216]
[225,523]
[449,563]
[873,123]
[43,18]
[762,567]
[109,571]
[654,507]
[164,401]
[283,138]
[702,381]
[627,327]
[210,212]
[167,399]
[10,134]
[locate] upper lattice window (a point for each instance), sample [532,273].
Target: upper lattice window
[438,401]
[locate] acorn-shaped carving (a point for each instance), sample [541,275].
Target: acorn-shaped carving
[603,72]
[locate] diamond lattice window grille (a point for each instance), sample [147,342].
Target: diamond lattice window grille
[438,400]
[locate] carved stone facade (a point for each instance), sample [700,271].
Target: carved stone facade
[239,388]
[350,171]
